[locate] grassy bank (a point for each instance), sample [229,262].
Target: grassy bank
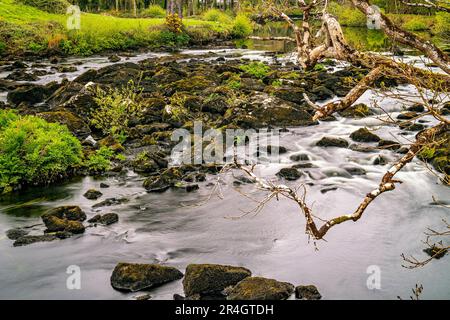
[26,29]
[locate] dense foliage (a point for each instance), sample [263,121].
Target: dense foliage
[33,151]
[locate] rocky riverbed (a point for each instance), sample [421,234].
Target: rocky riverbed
[142,211]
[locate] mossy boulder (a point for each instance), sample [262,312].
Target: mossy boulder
[262,110]
[136,277]
[67,218]
[388,144]
[258,288]
[332,142]
[364,135]
[14,234]
[75,124]
[27,240]
[29,94]
[164,181]
[92,194]
[290,174]
[190,84]
[359,110]
[308,292]
[207,279]
[67,212]
[55,224]
[106,219]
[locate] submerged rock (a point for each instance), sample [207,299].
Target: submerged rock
[14,234]
[388,144]
[299,157]
[92,194]
[258,288]
[110,202]
[136,277]
[26,240]
[290,174]
[364,135]
[207,279]
[114,58]
[357,111]
[309,292]
[106,219]
[332,142]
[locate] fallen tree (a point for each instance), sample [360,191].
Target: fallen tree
[335,46]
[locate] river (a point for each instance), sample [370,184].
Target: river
[177,228]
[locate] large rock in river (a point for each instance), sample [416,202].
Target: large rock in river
[135,277]
[211,279]
[258,288]
[262,110]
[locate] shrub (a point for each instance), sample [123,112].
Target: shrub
[242,26]
[52,6]
[415,24]
[100,160]
[216,16]
[174,23]
[154,11]
[442,24]
[116,107]
[2,47]
[348,16]
[33,151]
[257,69]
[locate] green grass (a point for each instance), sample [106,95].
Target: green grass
[29,29]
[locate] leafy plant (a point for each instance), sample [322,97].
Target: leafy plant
[277,83]
[216,16]
[174,23]
[116,107]
[100,160]
[33,151]
[242,26]
[154,11]
[257,69]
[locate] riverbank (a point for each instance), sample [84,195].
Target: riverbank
[29,31]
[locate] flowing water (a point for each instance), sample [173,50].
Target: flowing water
[177,228]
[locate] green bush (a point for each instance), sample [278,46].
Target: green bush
[100,160]
[2,47]
[216,16]
[442,24]
[415,24]
[242,26]
[33,151]
[257,69]
[154,11]
[116,107]
[348,16]
[52,6]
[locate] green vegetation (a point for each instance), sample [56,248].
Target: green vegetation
[257,69]
[242,26]
[28,29]
[33,151]
[116,107]
[348,16]
[216,16]
[100,160]
[154,11]
[52,6]
[442,25]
